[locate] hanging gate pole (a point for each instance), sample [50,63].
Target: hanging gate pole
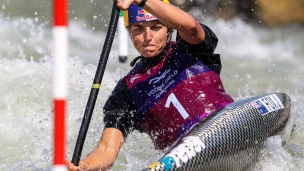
[60,81]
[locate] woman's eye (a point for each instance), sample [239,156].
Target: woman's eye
[138,29]
[156,28]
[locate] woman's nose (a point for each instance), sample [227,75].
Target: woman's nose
[147,34]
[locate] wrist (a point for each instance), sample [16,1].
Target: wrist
[140,3]
[136,2]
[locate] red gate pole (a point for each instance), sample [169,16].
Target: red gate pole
[60,82]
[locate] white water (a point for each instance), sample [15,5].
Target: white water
[255,61]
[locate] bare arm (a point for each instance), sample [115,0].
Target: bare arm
[189,29]
[104,155]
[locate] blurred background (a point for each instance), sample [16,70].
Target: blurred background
[262,50]
[269,12]
[96,12]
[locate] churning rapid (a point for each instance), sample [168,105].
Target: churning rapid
[256,60]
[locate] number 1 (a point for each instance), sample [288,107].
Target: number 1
[172,98]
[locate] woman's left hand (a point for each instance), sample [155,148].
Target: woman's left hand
[125,4]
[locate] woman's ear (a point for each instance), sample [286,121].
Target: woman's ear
[169,34]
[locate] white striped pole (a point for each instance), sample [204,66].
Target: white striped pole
[60,81]
[123,39]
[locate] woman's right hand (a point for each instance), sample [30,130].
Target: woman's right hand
[104,155]
[91,162]
[72,167]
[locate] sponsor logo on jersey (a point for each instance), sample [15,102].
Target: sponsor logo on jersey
[167,81]
[134,78]
[157,79]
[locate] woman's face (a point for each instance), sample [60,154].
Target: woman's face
[149,38]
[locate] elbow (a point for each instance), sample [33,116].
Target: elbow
[192,32]
[188,25]
[192,24]
[193,27]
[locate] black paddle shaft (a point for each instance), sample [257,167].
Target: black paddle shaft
[97,81]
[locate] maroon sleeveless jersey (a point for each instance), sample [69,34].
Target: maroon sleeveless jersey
[173,95]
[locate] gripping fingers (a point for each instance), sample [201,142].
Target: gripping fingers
[124,4]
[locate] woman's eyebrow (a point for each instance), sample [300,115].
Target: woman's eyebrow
[137,25]
[158,23]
